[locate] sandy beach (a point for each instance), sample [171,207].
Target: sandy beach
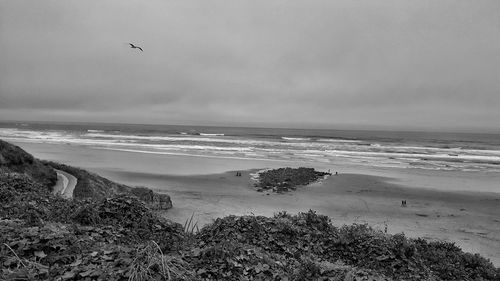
[466,218]
[450,206]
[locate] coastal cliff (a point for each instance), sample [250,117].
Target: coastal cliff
[14,159]
[91,185]
[154,200]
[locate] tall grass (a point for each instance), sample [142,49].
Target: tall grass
[190,226]
[151,264]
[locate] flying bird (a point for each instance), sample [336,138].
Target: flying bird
[135,47]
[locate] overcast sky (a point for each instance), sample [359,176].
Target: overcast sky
[332,64]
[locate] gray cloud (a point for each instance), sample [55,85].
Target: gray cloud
[410,64]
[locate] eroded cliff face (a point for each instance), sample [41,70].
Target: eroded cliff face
[14,159]
[161,202]
[155,201]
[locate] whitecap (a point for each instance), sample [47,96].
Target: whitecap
[295,139]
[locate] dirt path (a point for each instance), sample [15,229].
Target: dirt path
[65,184]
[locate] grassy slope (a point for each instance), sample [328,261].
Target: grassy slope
[14,159]
[119,238]
[90,185]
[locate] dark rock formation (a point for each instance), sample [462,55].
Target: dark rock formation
[154,200]
[286,179]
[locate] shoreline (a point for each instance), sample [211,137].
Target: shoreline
[104,162]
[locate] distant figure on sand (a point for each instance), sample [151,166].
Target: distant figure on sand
[336,173]
[403,203]
[238,174]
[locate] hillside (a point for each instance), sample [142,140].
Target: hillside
[44,237]
[13,159]
[118,237]
[93,186]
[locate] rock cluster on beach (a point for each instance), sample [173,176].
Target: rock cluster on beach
[286,179]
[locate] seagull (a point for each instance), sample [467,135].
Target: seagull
[135,47]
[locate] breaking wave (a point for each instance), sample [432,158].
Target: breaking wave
[424,155]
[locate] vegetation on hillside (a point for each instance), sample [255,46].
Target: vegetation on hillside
[15,160]
[44,237]
[90,185]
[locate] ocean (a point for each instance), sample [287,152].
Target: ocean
[388,149]
[449,180]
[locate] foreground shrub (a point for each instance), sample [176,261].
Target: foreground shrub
[312,235]
[449,262]
[43,237]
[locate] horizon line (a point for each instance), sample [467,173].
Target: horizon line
[338,127]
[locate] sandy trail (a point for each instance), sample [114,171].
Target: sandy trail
[65,184]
